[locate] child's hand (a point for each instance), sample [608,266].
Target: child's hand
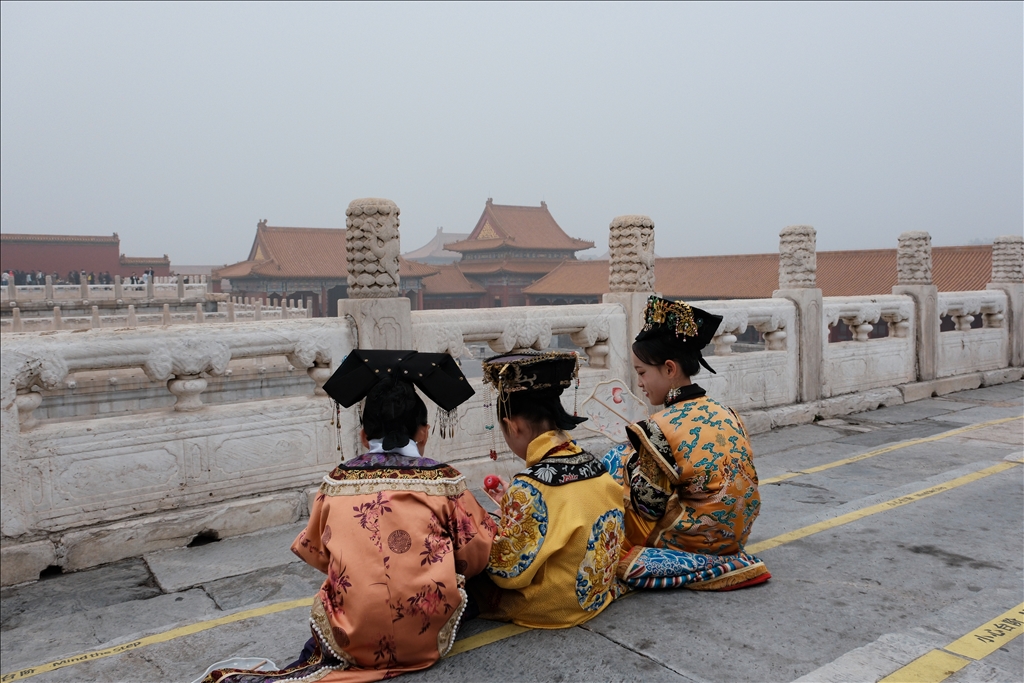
[495,487]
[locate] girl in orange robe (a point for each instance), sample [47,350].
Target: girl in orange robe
[396,534]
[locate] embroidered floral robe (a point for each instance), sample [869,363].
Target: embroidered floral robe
[690,492]
[396,536]
[555,553]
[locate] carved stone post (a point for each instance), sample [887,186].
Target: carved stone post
[16,325]
[914,279]
[631,272]
[84,287]
[118,290]
[57,324]
[12,291]
[1008,276]
[96,324]
[48,288]
[381,314]
[798,282]
[181,288]
[150,288]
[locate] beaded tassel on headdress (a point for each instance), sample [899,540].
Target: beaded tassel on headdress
[336,423]
[446,421]
[490,412]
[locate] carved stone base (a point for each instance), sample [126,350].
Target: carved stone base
[633,303]
[382,323]
[926,306]
[1014,318]
[810,341]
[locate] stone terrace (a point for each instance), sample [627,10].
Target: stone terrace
[854,601]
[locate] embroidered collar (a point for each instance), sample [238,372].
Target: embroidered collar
[687,393]
[555,442]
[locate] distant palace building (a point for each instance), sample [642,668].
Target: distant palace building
[63,253]
[510,248]
[756,276]
[306,263]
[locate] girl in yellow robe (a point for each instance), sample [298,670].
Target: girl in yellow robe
[555,553]
[689,483]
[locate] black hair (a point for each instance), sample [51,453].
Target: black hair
[657,349]
[393,411]
[539,408]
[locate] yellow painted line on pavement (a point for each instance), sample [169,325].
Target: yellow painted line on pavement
[887,449]
[486,638]
[156,638]
[811,529]
[938,665]
[507,631]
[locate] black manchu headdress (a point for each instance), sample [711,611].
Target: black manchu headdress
[693,328]
[437,375]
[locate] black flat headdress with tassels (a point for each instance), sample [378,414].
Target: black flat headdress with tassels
[437,375]
[693,328]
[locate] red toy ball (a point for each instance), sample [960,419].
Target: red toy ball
[492,482]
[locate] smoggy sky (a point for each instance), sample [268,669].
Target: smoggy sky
[180,126]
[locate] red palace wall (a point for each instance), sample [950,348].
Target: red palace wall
[61,257]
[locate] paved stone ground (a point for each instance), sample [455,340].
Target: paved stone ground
[853,602]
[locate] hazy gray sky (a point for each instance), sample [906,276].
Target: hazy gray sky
[178,126]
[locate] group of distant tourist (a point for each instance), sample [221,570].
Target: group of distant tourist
[409,553]
[74,277]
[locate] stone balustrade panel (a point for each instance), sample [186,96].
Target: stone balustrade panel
[57,475]
[752,380]
[964,349]
[866,363]
[599,329]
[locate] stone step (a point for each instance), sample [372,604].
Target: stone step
[181,568]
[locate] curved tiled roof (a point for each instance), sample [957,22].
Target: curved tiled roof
[450,280]
[753,276]
[303,253]
[518,227]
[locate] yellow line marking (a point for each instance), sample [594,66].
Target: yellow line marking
[797,534]
[156,638]
[486,638]
[938,665]
[507,631]
[933,667]
[987,638]
[887,449]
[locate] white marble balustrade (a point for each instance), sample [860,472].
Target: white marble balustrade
[63,474]
[968,349]
[866,363]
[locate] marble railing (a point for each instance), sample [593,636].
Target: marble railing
[50,294]
[868,363]
[125,438]
[752,380]
[966,349]
[61,474]
[227,312]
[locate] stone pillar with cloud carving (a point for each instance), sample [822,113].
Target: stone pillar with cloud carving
[1008,276]
[381,315]
[798,282]
[631,271]
[914,279]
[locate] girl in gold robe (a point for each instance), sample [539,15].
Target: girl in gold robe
[689,483]
[556,549]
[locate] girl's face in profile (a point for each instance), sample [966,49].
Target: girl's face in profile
[657,380]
